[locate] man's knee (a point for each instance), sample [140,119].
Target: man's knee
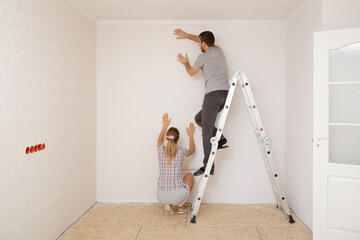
[198,119]
[208,130]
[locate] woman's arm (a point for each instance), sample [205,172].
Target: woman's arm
[166,121]
[190,131]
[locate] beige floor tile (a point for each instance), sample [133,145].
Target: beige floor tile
[201,233]
[284,233]
[84,230]
[232,215]
[123,232]
[131,214]
[67,236]
[160,232]
[103,233]
[214,221]
[160,219]
[119,214]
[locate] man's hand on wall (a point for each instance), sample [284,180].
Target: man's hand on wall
[180,33]
[182,59]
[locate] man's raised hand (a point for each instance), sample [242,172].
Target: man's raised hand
[182,59]
[180,33]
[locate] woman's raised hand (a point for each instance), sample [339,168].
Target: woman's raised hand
[165,119]
[190,130]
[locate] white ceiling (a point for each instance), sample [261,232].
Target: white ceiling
[99,10]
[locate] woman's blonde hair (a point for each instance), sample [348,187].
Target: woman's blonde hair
[172,135]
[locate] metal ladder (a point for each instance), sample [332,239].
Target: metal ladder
[263,140]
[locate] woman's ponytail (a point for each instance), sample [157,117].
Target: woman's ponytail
[172,136]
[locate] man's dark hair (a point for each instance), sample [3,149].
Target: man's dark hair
[208,38]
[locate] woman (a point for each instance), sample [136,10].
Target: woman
[173,189]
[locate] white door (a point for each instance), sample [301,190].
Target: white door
[336,146]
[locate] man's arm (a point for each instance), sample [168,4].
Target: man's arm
[182,35]
[185,61]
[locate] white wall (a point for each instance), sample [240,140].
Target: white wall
[47,91]
[338,14]
[310,16]
[300,26]
[47,95]
[139,79]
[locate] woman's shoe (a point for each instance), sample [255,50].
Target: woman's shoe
[168,210]
[184,211]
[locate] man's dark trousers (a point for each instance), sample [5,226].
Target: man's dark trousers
[213,103]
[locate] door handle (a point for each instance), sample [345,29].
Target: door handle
[321,138]
[318,139]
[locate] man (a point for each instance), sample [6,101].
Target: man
[214,70]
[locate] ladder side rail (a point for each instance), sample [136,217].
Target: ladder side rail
[276,178]
[249,108]
[271,178]
[256,121]
[279,195]
[246,90]
[253,107]
[225,111]
[214,142]
[197,193]
[204,178]
[272,175]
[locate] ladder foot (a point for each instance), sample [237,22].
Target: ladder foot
[193,219]
[291,220]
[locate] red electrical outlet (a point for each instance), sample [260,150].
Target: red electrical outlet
[35,148]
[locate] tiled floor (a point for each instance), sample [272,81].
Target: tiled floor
[214,221]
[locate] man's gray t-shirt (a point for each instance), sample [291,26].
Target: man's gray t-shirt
[214,69]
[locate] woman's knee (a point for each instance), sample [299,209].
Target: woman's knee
[189,180]
[189,176]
